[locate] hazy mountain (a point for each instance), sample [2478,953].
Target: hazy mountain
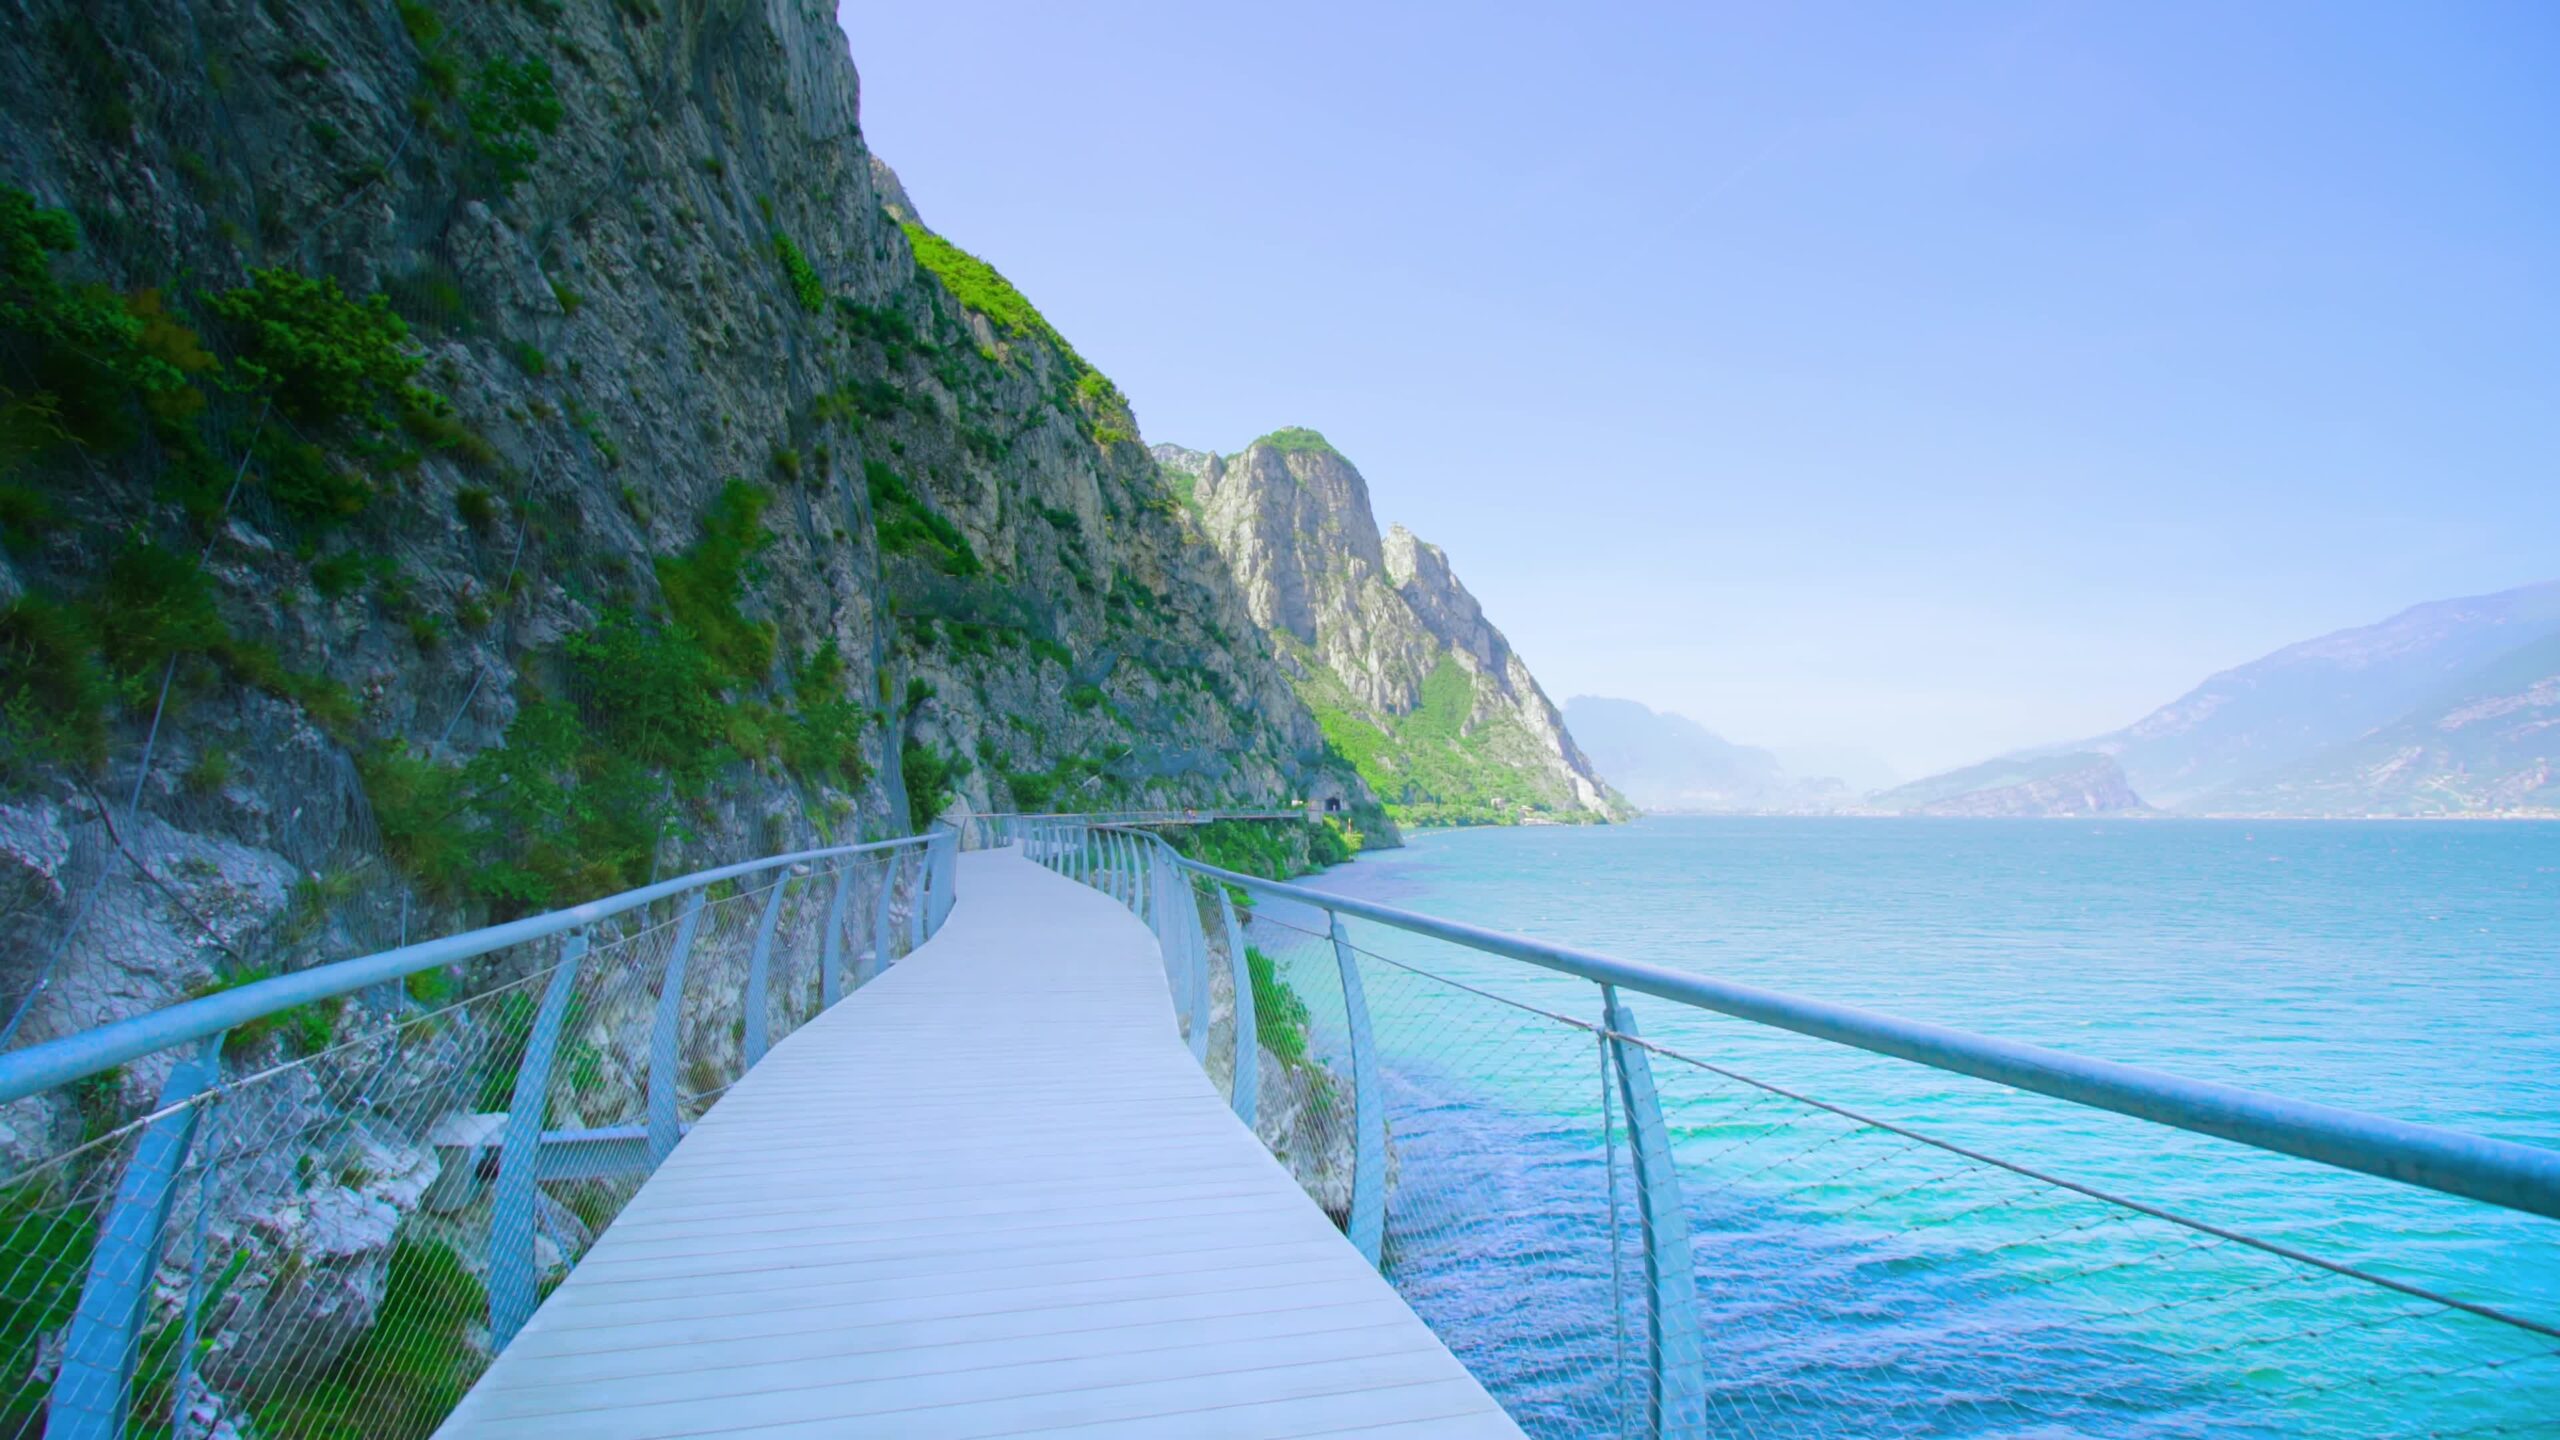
[2276,712]
[2080,782]
[1671,763]
[2451,707]
[2488,744]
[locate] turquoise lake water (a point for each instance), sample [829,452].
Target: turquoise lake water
[1855,1281]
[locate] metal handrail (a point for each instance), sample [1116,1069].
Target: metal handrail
[2498,1172]
[70,1057]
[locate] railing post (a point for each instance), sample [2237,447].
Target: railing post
[1195,949]
[1368,1228]
[831,945]
[760,971]
[1245,1094]
[878,960]
[512,1283]
[663,1033]
[94,1389]
[922,897]
[946,887]
[1675,1387]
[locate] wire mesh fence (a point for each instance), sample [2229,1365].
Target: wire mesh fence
[315,1232]
[1863,1246]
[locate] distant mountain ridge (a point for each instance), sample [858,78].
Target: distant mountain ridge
[2489,744]
[2447,708]
[2285,708]
[1671,764]
[2078,782]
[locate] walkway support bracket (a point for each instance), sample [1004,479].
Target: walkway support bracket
[94,1389]
[1245,1092]
[831,948]
[512,1283]
[663,1034]
[1195,950]
[1368,1228]
[918,898]
[878,960]
[760,974]
[1675,1386]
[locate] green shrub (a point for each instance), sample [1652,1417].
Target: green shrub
[806,287]
[78,361]
[308,482]
[511,102]
[928,774]
[45,1239]
[212,770]
[1279,1015]
[422,23]
[888,327]
[336,576]
[906,525]
[406,1373]
[321,357]
[821,738]
[477,508]
[53,692]
[651,694]
[869,399]
[430,295]
[1295,440]
[156,605]
[704,583]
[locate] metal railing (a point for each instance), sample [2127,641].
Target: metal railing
[1777,1216]
[980,832]
[350,1185]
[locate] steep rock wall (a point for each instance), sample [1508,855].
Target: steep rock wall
[1411,682]
[460,458]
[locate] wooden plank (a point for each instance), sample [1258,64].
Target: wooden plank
[989,1194]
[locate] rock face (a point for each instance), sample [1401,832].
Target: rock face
[1671,764]
[1408,678]
[458,460]
[676,390]
[2081,783]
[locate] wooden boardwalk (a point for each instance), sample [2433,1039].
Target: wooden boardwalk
[991,1193]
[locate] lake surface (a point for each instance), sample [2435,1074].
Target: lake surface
[1855,1280]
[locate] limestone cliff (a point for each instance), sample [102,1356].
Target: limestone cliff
[456,459]
[1410,681]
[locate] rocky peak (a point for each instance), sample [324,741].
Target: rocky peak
[893,196]
[1294,524]
[1381,626]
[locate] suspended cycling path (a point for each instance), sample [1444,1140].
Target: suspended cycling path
[891,1139]
[996,1196]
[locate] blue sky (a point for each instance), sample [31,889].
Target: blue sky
[1934,379]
